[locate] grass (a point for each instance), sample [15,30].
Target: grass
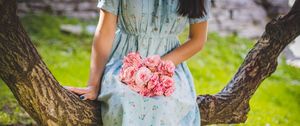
[276,102]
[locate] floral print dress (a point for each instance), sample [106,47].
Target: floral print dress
[149,27]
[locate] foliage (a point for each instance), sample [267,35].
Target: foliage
[276,102]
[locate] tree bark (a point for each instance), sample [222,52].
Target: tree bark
[48,103]
[33,85]
[231,105]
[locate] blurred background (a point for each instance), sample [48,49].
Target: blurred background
[62,31]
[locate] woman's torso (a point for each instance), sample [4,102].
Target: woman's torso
[150,17]
[147,26]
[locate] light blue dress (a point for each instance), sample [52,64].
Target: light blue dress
[149,27]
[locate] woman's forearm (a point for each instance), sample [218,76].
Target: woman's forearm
[100,52]
[184,52]
[97,65]
[195,43]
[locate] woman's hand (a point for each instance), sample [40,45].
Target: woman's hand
[90,92]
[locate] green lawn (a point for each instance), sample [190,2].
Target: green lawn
[276,101]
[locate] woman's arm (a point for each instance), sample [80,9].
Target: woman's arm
[101,48]
[196,40]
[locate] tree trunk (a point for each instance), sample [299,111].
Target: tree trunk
[48,103]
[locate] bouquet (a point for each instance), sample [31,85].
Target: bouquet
[150,76]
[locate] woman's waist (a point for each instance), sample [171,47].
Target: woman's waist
[146,45]
[148,34]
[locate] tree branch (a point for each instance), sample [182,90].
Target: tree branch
[231,105]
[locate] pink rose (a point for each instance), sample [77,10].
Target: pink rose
[154,80]
[132,59]
[169,91]
[166,81]
[135,87]
[143,92]
[150,94]
[127,74]
[150,76]
[147,92]
[158,89]
[166,67]
[152,62]
[142,76]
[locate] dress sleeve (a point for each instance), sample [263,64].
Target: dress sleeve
[207,7]
[111,6]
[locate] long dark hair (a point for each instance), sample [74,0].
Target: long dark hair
[191,8]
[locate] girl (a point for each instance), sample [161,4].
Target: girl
[149,27]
